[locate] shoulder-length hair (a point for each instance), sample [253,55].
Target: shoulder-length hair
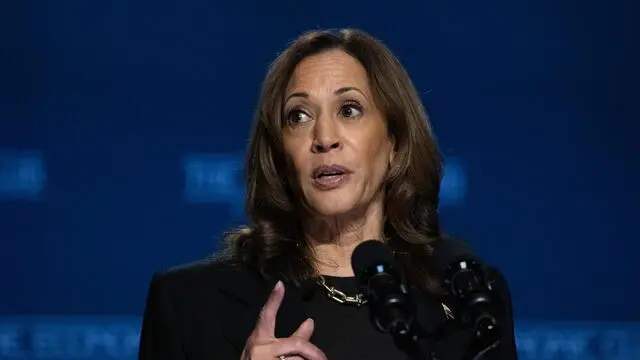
[274,242]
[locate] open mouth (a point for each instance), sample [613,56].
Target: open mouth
[329,174]
[328,177]
[328,171]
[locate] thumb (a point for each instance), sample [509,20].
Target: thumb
[305,330]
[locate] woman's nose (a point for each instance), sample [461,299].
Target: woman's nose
[326,136]
[322,147]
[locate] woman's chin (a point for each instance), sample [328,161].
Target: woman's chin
[337,207]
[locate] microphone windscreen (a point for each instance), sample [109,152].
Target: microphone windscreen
[370,253]
[449,251]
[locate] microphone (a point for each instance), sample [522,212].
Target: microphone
[464,276]
[392,309]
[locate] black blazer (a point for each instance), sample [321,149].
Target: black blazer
[206,310]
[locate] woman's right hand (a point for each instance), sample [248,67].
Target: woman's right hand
[262,344]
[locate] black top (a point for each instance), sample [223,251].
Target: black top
[345,332]
[208,309]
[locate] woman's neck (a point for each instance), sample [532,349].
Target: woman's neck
[334,239]
[334,259]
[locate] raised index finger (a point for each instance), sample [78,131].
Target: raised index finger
[266,324]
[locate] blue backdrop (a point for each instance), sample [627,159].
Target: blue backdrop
[123,125]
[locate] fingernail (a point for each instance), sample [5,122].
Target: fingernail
[278,285]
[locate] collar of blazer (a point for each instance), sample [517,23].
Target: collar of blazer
[248,292]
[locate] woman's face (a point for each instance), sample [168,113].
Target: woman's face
[335,135]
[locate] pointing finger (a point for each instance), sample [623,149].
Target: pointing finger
[266,324]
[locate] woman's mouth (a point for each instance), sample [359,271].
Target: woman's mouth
[329,177]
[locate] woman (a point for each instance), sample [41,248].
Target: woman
[341,152]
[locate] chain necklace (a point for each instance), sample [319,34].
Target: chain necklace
[339,296]
[359,299]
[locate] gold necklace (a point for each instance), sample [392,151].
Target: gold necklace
[359,299]
[339,296]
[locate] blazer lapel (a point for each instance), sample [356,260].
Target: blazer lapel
[247,293]
[445,339]
[430,313]
[431,320]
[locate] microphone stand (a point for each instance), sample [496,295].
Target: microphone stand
[410,344]
[482,342]
[409,341]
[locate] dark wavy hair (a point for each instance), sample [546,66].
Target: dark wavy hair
[274,242]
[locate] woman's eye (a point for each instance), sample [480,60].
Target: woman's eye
[349,111]
[297,117]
